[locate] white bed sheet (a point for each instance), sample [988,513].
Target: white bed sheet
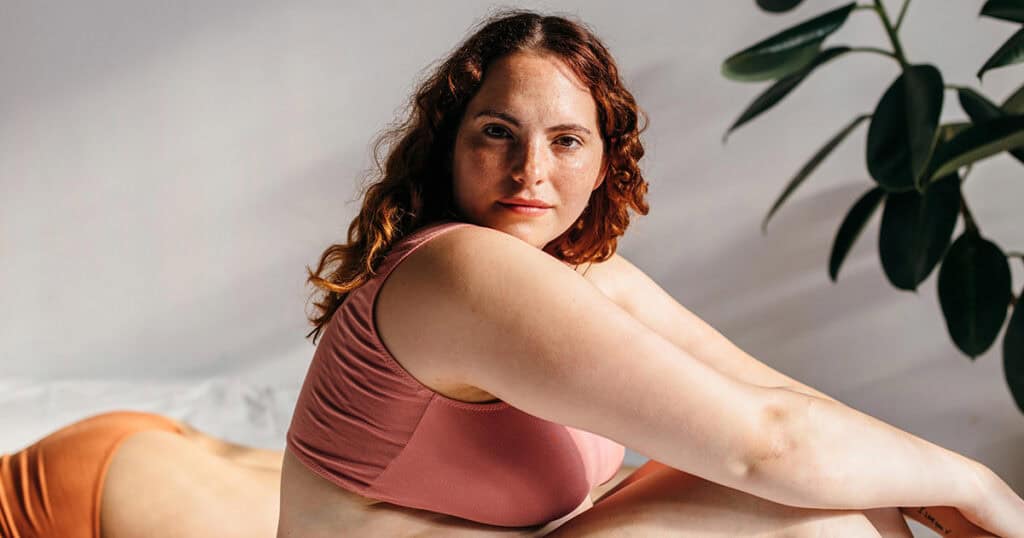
[229,408]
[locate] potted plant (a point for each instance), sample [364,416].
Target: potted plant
[917,166]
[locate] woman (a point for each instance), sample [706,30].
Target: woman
[468,384]
[486,354]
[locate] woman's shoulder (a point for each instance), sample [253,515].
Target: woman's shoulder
[444,235]
[419,301]
[453,243]
[442,256]
[466,246]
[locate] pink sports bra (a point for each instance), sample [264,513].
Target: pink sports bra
[366,424]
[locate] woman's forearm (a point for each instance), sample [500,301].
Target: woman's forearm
[827,455]
[944,520]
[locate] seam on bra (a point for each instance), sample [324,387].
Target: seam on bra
[323,473]
[408,441]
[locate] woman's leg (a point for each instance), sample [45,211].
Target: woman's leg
[661,501]
[162,484]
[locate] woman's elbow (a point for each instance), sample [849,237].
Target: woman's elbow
[782,439]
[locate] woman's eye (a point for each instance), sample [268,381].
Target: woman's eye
[495,131]
[568,141]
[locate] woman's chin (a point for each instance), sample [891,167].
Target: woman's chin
[525,232]
[533,230]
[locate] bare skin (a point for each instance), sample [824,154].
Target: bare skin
[512,142]
[233,490]
[164,485]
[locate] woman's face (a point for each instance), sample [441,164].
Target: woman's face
[529,132]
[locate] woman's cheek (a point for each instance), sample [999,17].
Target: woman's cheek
[482,158]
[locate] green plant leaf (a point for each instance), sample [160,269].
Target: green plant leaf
[977,106]
[977,142]
[980,109]
[851,227]
[777,6]
[1013,353]
[1011,52]
[1007,10]
[974,291]
[782,87]
[1014,104]
[916,229]
[810,165]
[786,52]
[902,132]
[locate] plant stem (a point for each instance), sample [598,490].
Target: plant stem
[1014,299]
[969,223]
[896,47]
[899,18]
[875,50]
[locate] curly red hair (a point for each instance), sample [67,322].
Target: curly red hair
[413,187]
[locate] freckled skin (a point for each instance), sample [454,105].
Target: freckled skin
[493,158]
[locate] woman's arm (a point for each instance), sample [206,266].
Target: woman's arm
[496,313]
[651,305]
[657,309]
[837,457]
[831,456]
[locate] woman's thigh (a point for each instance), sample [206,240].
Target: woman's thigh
[661,501]
[160,484]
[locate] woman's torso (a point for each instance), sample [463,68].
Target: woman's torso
[323,507]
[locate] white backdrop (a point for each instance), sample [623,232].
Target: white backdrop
[166,172]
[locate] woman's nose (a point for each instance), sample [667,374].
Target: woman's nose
[531,162]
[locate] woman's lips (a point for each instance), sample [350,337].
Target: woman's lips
[524,209]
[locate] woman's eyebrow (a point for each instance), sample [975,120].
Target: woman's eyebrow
[511,119]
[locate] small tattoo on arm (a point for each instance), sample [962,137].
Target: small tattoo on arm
[938,526]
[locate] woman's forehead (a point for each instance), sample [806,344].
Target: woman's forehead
[531,86]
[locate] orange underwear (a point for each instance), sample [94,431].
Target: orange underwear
[52,488]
